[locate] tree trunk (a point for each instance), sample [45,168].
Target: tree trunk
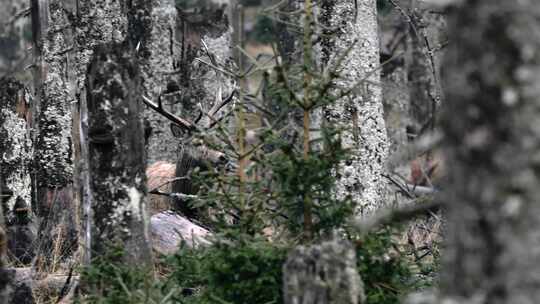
[287,41]
[322,274]
[153,32]
[97,22]
[5,275]
[395,55]
[362,112]
[15,143]
[16,151]
[492,138]
[426,42]
[13,23]
[53,148]
[116,155]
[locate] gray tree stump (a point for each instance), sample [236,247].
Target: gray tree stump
[322,274]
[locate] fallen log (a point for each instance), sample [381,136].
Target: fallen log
[169,230]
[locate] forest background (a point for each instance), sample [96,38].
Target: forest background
[269,151]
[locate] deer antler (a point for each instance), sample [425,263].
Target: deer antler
[183,123]
[224,102]
[212,120]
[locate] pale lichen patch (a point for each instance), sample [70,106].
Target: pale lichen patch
[17,156]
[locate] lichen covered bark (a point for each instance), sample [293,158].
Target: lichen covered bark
[116,154]
[96,22]
[99,21]
[53,148]
[491,124]
[15,143]
[361,114]
[153,32]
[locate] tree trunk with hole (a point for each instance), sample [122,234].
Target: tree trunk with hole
[492,141]
[116,155]
[361,114]
[322,274]
[52,118]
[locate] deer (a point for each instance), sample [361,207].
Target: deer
[170,185]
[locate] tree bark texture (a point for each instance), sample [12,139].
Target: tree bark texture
[97,22]
[16,153]
[491,124]
[13,25]
[53,145]
[15,143]
[116,154]
[288,41]
[362,112]
[322,274]
[153,32]
[5,275]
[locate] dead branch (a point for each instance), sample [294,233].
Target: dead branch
[183,123]
[395,215]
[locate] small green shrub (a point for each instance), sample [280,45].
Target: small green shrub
[242,271]
[385,272]
[108,280]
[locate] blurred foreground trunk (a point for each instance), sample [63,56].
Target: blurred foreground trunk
[491,123]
